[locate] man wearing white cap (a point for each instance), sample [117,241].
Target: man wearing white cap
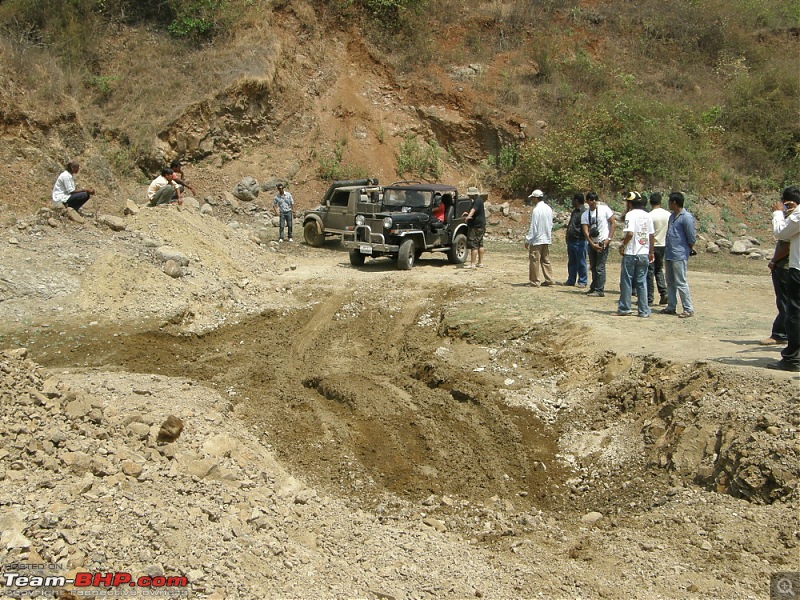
[538,241]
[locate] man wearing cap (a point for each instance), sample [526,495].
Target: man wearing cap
[538,241]
[476,228]
[599,226]
[637,253]
[787,228]
[283,203]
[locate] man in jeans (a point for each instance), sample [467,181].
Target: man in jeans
[680,246]
[637,253]
[283,203]
[598,225]
[576,244]
[787,228]
[655,273]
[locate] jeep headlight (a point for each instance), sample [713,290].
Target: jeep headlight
[387,223]
[360,220]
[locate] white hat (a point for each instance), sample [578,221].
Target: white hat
[536,194]
[472,191]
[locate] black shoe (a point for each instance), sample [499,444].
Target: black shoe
[596,294]
[668,311]
[783,365]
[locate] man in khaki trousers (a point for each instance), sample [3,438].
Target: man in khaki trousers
[538,241]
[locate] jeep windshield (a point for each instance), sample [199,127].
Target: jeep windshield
[412,198]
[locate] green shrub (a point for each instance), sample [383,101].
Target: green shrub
[419,159]
[332,165]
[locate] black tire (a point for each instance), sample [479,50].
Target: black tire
[458,251]
[405,258]
[356,258]
[312,235]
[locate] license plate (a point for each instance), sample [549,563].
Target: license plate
[365,249]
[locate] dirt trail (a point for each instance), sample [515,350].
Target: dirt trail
[504,416]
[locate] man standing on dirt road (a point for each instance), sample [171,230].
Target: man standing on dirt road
[680,246]
[598,225]
[787,228]
[476,228]
[655,272]
[64,192]
[283,203]
[576,244]
[636,252]
[538,240]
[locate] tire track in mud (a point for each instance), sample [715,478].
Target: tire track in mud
[320,322]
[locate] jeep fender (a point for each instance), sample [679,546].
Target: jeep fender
[314,219]
[460,229]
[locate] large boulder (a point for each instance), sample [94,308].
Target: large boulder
[247,189]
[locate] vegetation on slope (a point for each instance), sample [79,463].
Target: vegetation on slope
[696,94]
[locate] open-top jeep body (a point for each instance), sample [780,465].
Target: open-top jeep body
[337,211]
[405,227]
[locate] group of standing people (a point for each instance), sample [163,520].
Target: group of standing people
[654,242]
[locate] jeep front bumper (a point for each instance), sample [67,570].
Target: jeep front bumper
[362,239]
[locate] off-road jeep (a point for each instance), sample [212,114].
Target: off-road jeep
[406,226]
[337,211]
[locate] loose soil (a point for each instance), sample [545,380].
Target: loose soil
[501,419]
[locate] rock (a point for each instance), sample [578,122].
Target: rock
[724,243]
[140,431]
[435,523]
[592,517]
[755,256]
[170,430]
[206,209]
[712,248]
[173,269]
[74,216]
[231,201]
[247,189]
[304,496]
[52,222]
[132,469]
[113,223]
[190,202]
[221,445]
[740,247]
[78,409]
[166,253]
[201,468]
[131,208]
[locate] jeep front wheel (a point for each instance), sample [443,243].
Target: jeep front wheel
[405,258]
[312,235]
[458,251]
[356,258]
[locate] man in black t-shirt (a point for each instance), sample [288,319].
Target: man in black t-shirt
[476,228]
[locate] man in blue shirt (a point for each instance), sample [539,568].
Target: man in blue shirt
[283,204]
[680,246]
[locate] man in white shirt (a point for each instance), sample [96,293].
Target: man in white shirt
[64,192]
[655,273]
[163,189]
[637,252]
[538,241]
[787,228]
[598,227]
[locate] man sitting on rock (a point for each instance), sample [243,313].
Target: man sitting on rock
[163,190]
[64,192]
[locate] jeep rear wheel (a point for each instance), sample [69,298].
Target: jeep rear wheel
[356,258]
[458,251]
[405,258]
[312,235]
